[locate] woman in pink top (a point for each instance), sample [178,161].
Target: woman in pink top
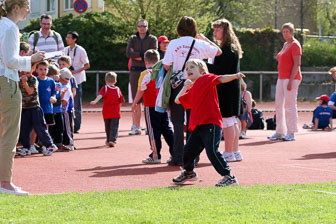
[289,79]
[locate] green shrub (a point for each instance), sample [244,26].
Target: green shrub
[318,53]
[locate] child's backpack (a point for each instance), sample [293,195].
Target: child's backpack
[36,37]
[258,119]
[271,123]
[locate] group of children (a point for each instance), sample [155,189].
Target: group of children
[198,94]
[47,107]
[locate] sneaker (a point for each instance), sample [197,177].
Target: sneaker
[142,128]
[63,148]
[242,135]
[50,150]
[288,137]
[238,156]
[16,191]
[275,137]
[227,181]
[71,147]
[33,149]
[24,152]
[150,160]
[229,157]
[135,131]
[185,176]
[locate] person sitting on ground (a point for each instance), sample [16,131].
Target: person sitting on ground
[157,123]
[258,118]
[322,118]
[113,98]
[199,93]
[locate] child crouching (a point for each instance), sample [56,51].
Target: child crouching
[199,93]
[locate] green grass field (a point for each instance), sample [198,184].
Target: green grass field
[311,203]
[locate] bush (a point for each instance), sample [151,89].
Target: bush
[318,53]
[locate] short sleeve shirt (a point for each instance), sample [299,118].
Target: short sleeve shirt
[46,89]
[79,58]
[323,114]
[30,101]
[148,86]
[286,60]
[202,98]
[112,97]
[332,100]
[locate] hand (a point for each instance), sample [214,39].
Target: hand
[93,102]
[188,83]
[240,75]
[200,36]
[39,56]
[133,107]
[289,86]
[53,100]
[23,78]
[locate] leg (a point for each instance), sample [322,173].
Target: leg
[40,127]
[136,115]
[154,132]
[107,123]
[279,106]
[25,128]
[291,107]
[58,129]
[167,132]
[114,129]
[192,149]
[78,108]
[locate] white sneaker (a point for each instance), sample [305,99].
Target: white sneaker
[275,137]
[238,156]
[16,191]
[24,152]
[229,157]
[50,150]
[71,147]
[289,137]
[150,160]
[242,135]
[33,150]
[135,131]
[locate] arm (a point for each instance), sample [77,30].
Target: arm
[229,78]
[295,69]
[137,98]
[186,86]
[331,124]
[166,67]
[316,124]
[25,85]
[248,99]
[130,53]
[96,100]
[204,38]
[86,67]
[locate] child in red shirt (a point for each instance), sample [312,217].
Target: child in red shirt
[111,107]
[205,122]
[157,123]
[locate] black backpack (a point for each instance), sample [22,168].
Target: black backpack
[271,123]
[258,119]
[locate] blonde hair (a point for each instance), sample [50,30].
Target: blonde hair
[229,36]
[7,6]
[66,59]
[53,70]
[111,77]
[289,26]
[199,63]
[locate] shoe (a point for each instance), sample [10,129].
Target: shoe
[275,137]
[229,157]
[62,148]
[150,160]
[71,147]
[307,126]
[227,181]
[24,152]
[76,131]
[50,150]
[185,176]
[142,128]
[33,150]
[288,137]
[238,156]
[16,191]
[111,144]
[135,131]
[242,135]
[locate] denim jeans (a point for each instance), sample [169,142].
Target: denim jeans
[206,136]
[78,108]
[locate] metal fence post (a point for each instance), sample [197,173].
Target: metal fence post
[261,87]
[97,83]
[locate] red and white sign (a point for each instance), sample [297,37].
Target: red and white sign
[80,6]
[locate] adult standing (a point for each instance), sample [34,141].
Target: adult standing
[11,12]
[229,94]
[163,44]
[175,56]
[79,63]
[46,39]
[289,79]
[137,45]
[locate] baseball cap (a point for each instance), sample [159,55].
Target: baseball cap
[163,39]
[65,74]
[323,97]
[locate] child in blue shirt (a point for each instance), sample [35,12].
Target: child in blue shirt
[323,115]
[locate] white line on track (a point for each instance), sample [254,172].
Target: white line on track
[307,168]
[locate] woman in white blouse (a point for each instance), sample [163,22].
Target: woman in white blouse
[11,12]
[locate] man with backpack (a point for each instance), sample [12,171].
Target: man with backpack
[46,40]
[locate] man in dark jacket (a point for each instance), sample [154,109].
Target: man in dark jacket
[137,45]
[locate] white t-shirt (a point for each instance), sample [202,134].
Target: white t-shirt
[178,49]
[78,61]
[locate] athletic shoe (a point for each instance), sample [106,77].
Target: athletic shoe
[238,156]
[275,137]
[227,181]
[16,191]
[50,150]
[33,150]
[135,131]
[242,135]
[229,157]
[150,160]
[24,152]
[71,147]
[111,144]
[288,137]
[185,176]
[63,148]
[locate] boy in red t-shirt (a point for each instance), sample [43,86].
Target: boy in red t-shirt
[205,122]
[157,123]
[111,107]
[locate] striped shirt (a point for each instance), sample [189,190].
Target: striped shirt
[47,44]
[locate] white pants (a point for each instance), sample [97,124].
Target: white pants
[285,107]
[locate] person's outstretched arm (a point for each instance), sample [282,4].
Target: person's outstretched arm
[229,78]
[96,100]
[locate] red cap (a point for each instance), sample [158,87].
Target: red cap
[323,97]
[163,39]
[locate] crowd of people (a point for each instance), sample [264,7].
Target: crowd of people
[40,100]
